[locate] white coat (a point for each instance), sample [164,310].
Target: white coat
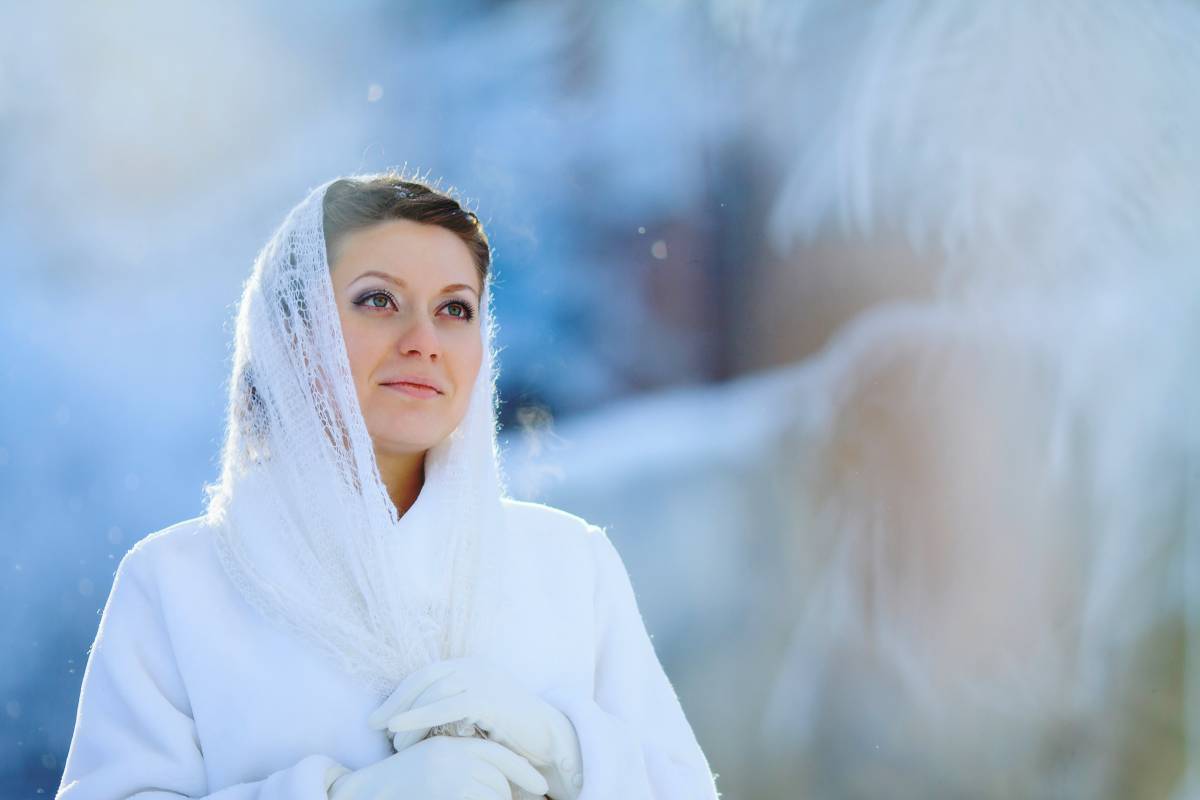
[189,692]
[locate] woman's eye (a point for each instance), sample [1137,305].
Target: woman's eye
[459,310]
[375,300]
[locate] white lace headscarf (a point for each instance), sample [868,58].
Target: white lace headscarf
[303,522]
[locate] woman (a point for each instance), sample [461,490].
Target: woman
[361,613]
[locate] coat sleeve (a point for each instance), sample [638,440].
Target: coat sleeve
[635,741]
[134,733]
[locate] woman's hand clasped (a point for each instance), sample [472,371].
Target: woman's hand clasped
[482,693]
[442,768]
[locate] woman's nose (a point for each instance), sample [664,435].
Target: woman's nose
[420,337]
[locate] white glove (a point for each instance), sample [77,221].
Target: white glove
[480,692]
[442,768]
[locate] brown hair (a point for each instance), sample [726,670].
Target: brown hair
[351,204]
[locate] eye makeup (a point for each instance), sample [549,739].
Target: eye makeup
[367,300]
[468,310]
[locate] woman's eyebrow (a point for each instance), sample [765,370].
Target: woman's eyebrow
[398,282]
[454,286]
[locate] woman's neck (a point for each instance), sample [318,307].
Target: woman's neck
[403,474]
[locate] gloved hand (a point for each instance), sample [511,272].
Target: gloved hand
[442,768]
[483,693]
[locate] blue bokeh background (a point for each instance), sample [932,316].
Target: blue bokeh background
[867,330]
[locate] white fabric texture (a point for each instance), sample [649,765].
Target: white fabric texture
[191,692]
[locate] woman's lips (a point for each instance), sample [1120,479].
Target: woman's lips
[413,389]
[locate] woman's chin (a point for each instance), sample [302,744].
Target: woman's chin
[396,445]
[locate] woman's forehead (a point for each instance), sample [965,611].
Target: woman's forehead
[417,256]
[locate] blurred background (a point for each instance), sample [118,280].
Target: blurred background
[869,330]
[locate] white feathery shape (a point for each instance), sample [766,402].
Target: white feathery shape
[1047,157]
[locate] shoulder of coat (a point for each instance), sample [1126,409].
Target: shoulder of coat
[173,537]
[526,512]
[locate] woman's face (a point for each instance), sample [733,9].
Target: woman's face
[408,296]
